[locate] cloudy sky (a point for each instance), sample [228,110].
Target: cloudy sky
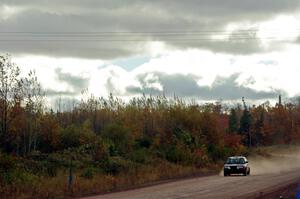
[202,49]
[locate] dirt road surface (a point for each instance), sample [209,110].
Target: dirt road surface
[211,187]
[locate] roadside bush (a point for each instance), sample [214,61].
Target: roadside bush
[218,153]
[50,168]
[70,137]
[116,165]
[88,173]
[179,155]
[140,156]
[7,167]
[118,138]
[12,173]
[7,162]
[100,150]
[240,150]
[144,142]
[200,158]
[87,136]
[37,156]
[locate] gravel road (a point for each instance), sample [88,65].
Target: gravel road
[211,187]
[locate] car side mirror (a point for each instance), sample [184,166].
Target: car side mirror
[246,161]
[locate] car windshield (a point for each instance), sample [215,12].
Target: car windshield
[235,161]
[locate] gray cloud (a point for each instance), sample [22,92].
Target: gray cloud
[133,16]
[64,45]
[186,86]
[189,7]
[77,83]
[240,46]
[54,93]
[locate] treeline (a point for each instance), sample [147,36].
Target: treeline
[112,134]
[170,126]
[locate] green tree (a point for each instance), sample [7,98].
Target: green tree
[258,125]
[245,124]
[233,121]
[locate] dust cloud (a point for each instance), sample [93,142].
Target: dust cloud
[279,159]
[275,159]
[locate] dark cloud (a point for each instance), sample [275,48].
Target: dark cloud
[143,16]
[77,83]
[186,86]
[59,45]
[240,46]
[187,7]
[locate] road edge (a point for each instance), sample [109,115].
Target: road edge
[151,184]
[275,191]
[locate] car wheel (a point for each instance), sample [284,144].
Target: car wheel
[226,174]
[245,173]
[249,172]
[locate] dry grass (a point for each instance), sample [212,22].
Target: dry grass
[145,175]
[56,187]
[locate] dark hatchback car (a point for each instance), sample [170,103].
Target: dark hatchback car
[236,165]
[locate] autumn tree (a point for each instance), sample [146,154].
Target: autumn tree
[10,85]
[33,101]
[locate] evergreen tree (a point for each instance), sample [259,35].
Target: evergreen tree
[245,124]
[233,122]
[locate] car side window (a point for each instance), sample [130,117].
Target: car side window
[242,161]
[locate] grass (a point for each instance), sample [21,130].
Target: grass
[98,182]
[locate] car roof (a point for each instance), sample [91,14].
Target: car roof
[238,157]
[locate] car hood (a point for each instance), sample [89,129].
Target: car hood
[238,165]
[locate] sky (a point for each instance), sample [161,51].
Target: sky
[207,50]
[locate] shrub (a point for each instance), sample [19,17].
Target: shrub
[7,162]
[218,153]
[7,166]
[88,173]
[100,150]
[70,137]
[144,142]
[200,158]
[21,176]
[178,155]
[12,173]
[50,168]
[140,156]
[118,138]
[116,165]
[87,136]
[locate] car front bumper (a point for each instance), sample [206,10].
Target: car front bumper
[235,170]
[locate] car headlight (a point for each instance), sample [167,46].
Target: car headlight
[227,167]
